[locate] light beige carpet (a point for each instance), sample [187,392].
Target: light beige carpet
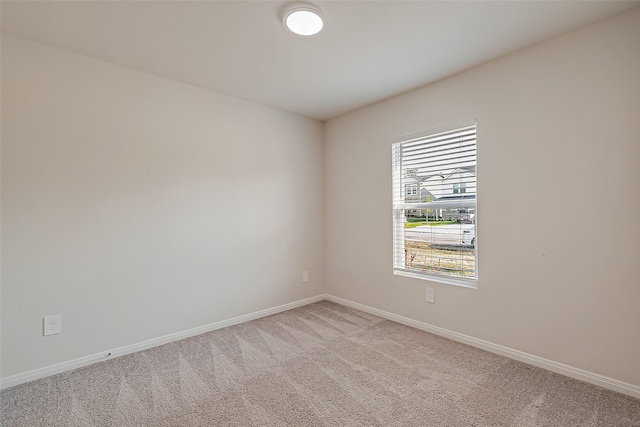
[318,365]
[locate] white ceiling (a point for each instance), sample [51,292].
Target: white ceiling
[368,50]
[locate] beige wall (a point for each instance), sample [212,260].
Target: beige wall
[558,203]
[136,206]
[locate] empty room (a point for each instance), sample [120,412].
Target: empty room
[323,213]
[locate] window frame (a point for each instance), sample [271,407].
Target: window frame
[397,209]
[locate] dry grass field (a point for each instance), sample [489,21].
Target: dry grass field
[421,256]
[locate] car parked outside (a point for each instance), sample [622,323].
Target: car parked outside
[466,216]
[469,236]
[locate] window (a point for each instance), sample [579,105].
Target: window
[411,189]
[435,238]
[459,187]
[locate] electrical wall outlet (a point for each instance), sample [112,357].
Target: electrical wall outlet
[431,295]
[52,324]
[305,276]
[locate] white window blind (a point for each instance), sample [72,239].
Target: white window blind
[434,224]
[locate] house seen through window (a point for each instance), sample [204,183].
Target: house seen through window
[434,205]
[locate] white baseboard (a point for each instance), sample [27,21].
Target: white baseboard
[560,368]
[550,365]
[143,345]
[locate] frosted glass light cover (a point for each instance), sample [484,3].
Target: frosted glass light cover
[304,22]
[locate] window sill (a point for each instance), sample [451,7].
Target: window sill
[471,284]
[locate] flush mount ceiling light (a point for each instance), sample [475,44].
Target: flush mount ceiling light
[303,19]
